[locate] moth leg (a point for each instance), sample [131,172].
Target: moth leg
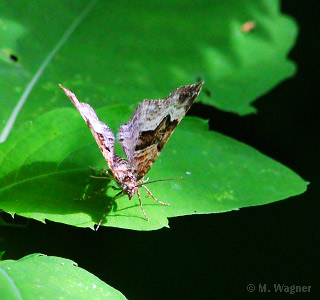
[98,171]
[116,188]
[139,196]
[107,177]
[111,186]
[108,209]
[102,177]
[102,172]
[149,192]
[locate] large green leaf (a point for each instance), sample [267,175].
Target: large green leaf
[38,276]
[45,175]
[124,51]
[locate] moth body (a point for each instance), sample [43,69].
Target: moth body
[125,176]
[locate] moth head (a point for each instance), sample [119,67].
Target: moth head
[130,189]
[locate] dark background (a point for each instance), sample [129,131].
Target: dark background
[216,256]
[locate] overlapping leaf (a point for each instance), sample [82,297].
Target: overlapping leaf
[122,52]
[38,276]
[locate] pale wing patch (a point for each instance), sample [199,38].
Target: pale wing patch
[101,132]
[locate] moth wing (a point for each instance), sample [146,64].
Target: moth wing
[101,132]
[152,124]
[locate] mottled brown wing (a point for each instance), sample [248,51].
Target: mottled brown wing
[150,127]
[101,132]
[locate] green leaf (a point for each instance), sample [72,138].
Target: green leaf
[115,52]
[38,276]
[47,176]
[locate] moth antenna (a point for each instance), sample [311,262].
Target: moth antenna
[163,203]
[107,210]
[169,179]
[139,196]
[146,180]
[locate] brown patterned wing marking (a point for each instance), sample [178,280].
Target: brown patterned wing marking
[152,124]
[101,132]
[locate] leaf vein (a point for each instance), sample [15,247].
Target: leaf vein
[13,285]
[5,132]
[40,176]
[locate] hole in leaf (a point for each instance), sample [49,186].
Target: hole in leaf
[13,57]
[207,92]
[199,79]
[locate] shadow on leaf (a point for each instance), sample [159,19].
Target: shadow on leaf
[45,189]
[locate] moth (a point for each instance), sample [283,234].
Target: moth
[142,138]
